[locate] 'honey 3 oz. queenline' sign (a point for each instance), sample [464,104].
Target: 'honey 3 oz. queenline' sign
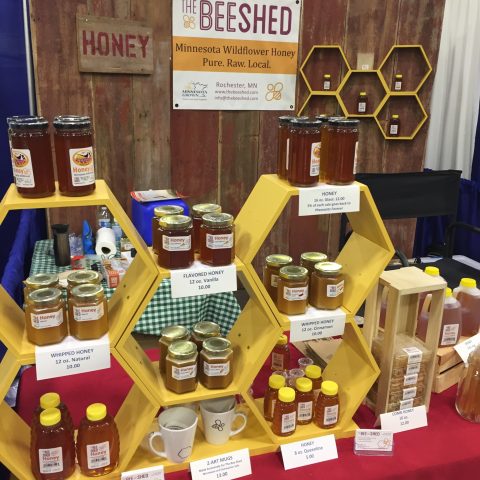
[113,45]
[235,55]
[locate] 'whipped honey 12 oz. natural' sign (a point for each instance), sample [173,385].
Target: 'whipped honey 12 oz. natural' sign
[235,55]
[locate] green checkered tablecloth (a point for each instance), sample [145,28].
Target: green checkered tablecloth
[162,310]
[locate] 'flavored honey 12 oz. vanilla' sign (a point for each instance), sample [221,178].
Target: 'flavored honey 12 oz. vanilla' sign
[235,55]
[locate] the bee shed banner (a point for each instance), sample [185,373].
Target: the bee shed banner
[235,55]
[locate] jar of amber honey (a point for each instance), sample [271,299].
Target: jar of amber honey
[160,212]
[45,316]
[283,148]
[326,286]
[217,239]
[273,264]
[201,331]
[305,137]
[324,146]
[327,408]
[198,211]
[74,156]
[88,312]
[181,367]
[284,421]
[310,259]
[305,400]
[167,336]
[81,277]
[292,290]
[280,357]
[31,155]
[275,382]
[39,280]
[215,364]
[176,248]
[394,126]
[362,103]
[314,373]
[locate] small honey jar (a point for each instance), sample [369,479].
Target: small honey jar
[181,367]
[310,259]
[217,239]
[215,365]
[292,290]
[273,264]
[160,212]
[201,331]
[167,336]
[81,277]
[326,286]
[198,211]
[175,249]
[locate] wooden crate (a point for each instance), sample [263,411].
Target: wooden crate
[448,368]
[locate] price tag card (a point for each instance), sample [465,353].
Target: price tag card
[308,452]
[317,324]
[373,442]
[150,473]
[202,280]
[404,420]
[325,199]
[71,357]
[465,348]
[227,466]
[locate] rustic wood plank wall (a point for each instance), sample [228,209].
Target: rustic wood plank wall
[217,156]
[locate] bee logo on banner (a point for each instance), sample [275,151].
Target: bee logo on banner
[235,55]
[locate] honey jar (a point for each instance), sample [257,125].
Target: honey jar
[310,259]
[284,421]
[217,239]
[273,263]
[81,277]
[394,126]
[305,400]
[176,248]
[45,316]
[292,290]
[215,364]
[280,357]
[39,280]
[327,408]
[283,148]
[326,286]
[397,82]
[167,336]
[198,211]
[327,81]
[160,212]
[362,103]
[201,331]
[88,312]
[181,367]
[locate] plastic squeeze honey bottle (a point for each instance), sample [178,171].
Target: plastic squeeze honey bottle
[281,354]
[275,382]
[285,413]
[52,400]
[468,295]
[305,400]
[327,408]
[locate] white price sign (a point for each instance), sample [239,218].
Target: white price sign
[371,441]
[404,420]
[226,467]
[317,324]
[326,199]
[465,348]
[308,452]
[202,280]
[150,473]
[71,357]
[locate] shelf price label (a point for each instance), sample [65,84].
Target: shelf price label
[373,442]
[226,467]
[316,324]
[325,199]
[465,348]
[203,280]
[71,357]
[150,473]
[308,452]
[404,420]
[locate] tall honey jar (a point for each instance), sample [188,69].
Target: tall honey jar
[167,336]
[215,364]
[74,155]
[88,312]
[327,408]
[292,290]
[326,286]
[201,331]
[160,212]
[273,264]
[198,211]
[81,277]
[284,421]
[39,280]
[181,367]
[176,248]
[283,145]
[217,243]
[310,259]
[45,316]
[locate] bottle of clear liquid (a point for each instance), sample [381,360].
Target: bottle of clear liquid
[103,217]
[468,295]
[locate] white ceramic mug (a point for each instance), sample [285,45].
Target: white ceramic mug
[177,429]
[218,416]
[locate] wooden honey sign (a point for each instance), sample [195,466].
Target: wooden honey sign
[113,45]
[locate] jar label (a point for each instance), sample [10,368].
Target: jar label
[397,86]
[335,290]
[330,415]
[326,84]
[287,155]
[217,242]
[183,373]
[177,244]
[296,293]
[414,355]
[393,129]
[413,368]
[50,460]
[22,168]
[87,314]
[82,167]
[305,410]
[410,379]
[362,107]
[449,334]
[277,361]
[47,320]
[274,280]
[409,393]
[315,159]
[289,422]
[406,404]
[216,369]
[98,455]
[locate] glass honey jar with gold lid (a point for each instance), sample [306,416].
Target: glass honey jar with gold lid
[326,286]
[181,367]
[292,290]
[217,243]
[273,264]
[310,259]
[198,211]
[39,280]
[167,336]
[81,277]
[160,212]
[175,250]
[201,331]
[215,365]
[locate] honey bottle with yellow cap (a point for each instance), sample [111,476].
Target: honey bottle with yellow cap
[314,373]
[468,295]
[362,103]
[305,400]
[275,382]
[52,448]
[327,408]
[284,421]
[281,354]
[394,126]
[53,400]
[98,442]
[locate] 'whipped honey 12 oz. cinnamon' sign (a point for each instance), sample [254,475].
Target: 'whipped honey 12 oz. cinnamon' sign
[235,55]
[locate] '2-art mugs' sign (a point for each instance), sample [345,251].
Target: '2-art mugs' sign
[235,55]
[113,45]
